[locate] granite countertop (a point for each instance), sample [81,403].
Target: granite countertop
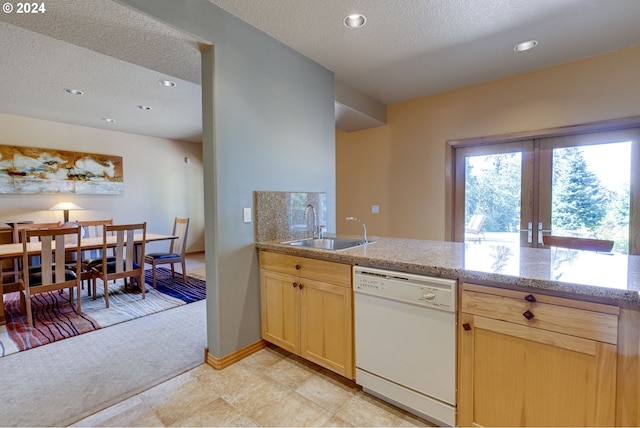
[608,276]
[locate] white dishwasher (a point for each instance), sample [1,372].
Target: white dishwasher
[405,337]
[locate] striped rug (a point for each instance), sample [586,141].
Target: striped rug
[55,318]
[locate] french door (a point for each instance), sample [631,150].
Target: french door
[583,185]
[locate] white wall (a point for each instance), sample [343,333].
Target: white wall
[158,184]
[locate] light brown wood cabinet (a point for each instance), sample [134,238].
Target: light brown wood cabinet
[526,359]
[307,309]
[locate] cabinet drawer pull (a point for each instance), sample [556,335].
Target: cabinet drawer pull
[528,315]
[530,298]
[466,326]
[301,285]
[295,284]
[298,267]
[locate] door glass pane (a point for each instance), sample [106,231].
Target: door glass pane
[492,198]
[590,192]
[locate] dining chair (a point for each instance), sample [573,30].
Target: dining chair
[93,229]
[587,244]
[19,227]
[125,265]
[16,269]
[17,238]
[176,253]
[474,230]
[52,272]
[90,258]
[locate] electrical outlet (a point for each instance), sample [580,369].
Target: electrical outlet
[246,215]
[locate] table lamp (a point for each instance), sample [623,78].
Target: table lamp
[65,206]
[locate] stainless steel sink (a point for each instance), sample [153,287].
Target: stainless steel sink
[334,244]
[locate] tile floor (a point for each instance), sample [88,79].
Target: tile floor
[269,388]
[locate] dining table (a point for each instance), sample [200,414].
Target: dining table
[11,251]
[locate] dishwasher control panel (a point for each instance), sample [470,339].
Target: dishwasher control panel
[439,293]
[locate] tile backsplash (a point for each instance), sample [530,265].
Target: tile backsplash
[280,215]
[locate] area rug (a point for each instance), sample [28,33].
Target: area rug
[55,318]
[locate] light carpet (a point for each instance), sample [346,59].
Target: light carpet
[68,380]
[55,318]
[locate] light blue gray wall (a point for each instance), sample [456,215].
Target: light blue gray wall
[268,125]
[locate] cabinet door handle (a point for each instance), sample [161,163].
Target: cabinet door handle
[295,284]
[298,267]
[466,326]
[528,315]
[530,298]
[301,285]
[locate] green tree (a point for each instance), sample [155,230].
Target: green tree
[579,200]
[495,191]
[615,225]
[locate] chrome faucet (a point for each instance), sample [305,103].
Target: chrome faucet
[317,230]
[364,227]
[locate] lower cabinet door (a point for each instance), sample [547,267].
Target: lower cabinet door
[280,310]
[514,375]
[327,325]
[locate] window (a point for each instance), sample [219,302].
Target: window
[580,185]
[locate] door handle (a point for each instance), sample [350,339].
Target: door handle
[529,231]
[540,230]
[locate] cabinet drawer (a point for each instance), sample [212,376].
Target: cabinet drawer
[590,320]
[319,270]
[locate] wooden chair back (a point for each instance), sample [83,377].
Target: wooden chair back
[123,263]
[125,249]
[53,246]
[586,244]
[176,253]
[18,236]
[93,229]
[19,227]
[126,253]
[180,229]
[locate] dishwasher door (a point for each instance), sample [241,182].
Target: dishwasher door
[406,352]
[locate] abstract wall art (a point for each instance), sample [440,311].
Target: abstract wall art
[30,170]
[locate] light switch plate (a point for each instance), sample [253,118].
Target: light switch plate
[246,215]
[375,209]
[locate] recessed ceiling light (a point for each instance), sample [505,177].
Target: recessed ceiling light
[167,83]
[107,119]
[525,46]
[354,20]
[73,91]
[145,108]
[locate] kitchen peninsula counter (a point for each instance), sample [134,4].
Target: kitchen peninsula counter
[571,296]
[596,275]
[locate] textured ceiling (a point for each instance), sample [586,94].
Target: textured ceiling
[114,30]
[114,55]
[407,49]
[412,48]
